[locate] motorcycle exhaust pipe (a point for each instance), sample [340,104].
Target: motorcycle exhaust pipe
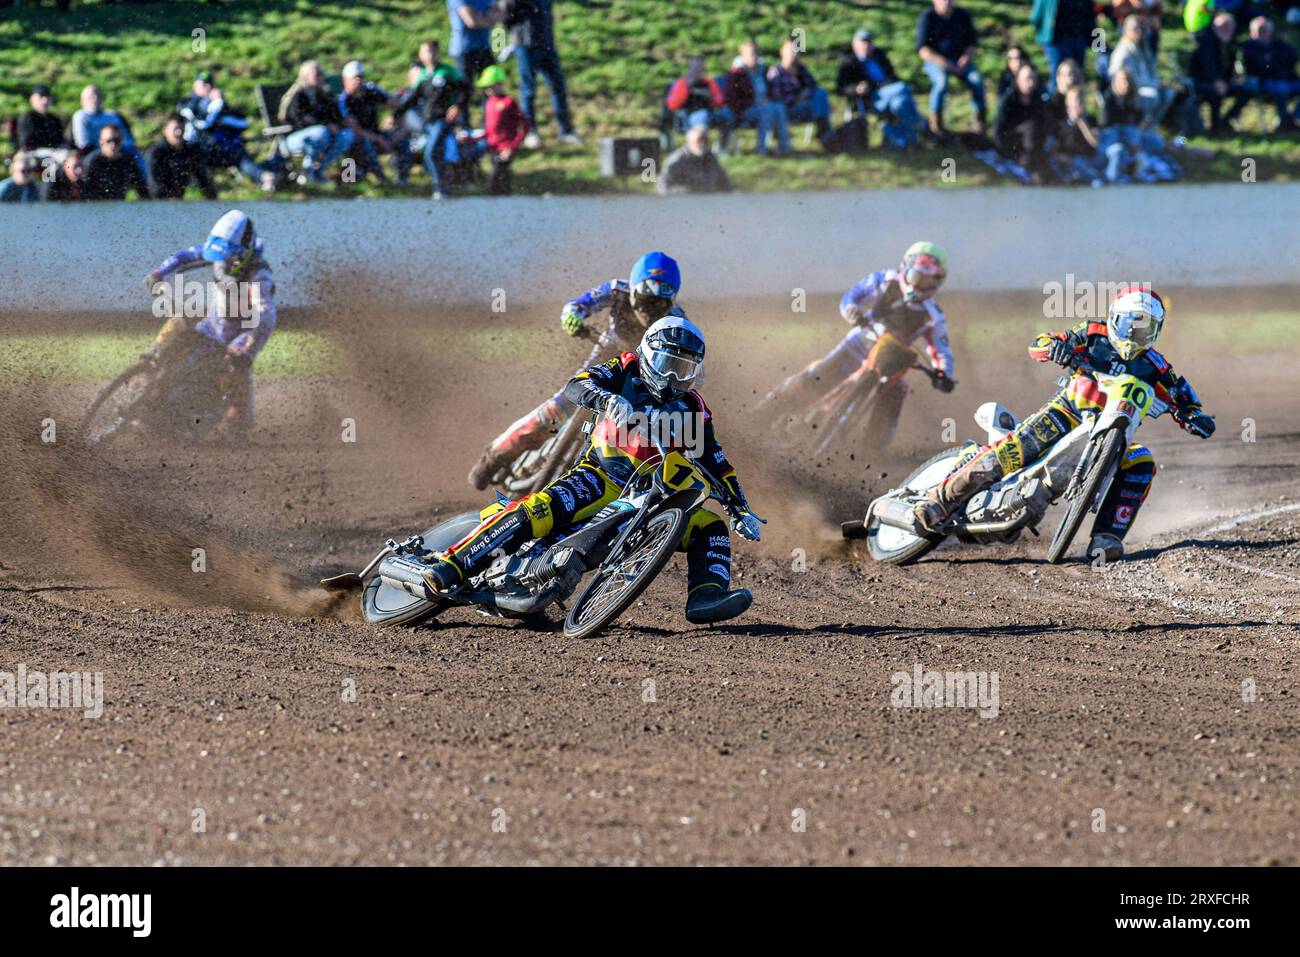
[404,574]
[895,514]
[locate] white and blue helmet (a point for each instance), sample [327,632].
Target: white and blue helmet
[671,354]
[232,242]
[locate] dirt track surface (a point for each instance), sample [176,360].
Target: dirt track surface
[1121,691]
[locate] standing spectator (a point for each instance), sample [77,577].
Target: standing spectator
[505,127]
[318,131]
[110,171]
[1272,64]
[532,31]
[790,84]
[946,40]
[867,78]
[173,164]
[360,103]
[444,96]
[695,99]
[1016,58]
[69,183]
[750,104]
[693,168]
[40,132]
[1213,68]
[218,130]
[1133,55]
[471,36]
[1076,139]
[21,186]
[1021,126]
[1064,31]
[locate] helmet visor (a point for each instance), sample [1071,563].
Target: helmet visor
[652,307]
[673,365]
[922,281]
[1138,330]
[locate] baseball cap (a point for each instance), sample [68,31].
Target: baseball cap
[42,89]
[354,68]
[494,74]
[206,76]
[863,34]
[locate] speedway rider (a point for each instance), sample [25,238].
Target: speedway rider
[1123,343]
[243,285]
[657,378]
[896,301]
[647,295]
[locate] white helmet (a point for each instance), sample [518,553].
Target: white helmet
[1133,324]
[232,242]
[671,354]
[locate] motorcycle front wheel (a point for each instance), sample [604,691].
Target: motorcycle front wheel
[1102,458]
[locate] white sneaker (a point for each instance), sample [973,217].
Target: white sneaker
[572,139]
[532,141]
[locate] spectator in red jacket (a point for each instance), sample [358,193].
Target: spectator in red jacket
[505,128]
[695,99]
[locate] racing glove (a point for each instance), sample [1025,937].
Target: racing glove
[1061,351]
[152,279]
[941,381]
[571,322]
[748,525]
[1195,421]
[618,410]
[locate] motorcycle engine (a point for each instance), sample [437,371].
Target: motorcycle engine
[1000,504]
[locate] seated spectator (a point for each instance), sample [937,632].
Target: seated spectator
[40,132]
[1064,29]
[173,164]
[69,183]
[318,131]
[790,84]
[218,131]
[1213,69]
[946,41]
[750,103]
[1075,139]
[443,96]
[693,168]
[695,99]
[360,103]
[505,127]
[1272,65]
[92,118]
[110,171]
[1021,126]
[867,78]
[1148,10]
[21,186]
[1016,58]
[1069,76]
[1133,55]
[1131,151]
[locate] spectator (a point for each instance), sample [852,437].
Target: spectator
[92,117]
[1069,76]
[695,99]
[1197,15]
[1133,55]
[1016,58]
[1125,143]
[750,104]
[505,127]
[693,168]
[1076,139]
[40,132]
[946,40]
[1148,10]
[471,36]
[444,96]
[1064,30]
[532,31]
[69,183]
[21,186]
[217,130]
[1021,126]
[173,164]
[790,84]
[360,103]
[1213,68]
[1272,64]
[866,76]
[110,171]
[318,131]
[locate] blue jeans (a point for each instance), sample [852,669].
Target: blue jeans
[1119,145]
[1281,92]
[767,117]
[939,78]
[896,99]
[546,61]
[321,146]
[435,152]
[816,107]
[1074,49]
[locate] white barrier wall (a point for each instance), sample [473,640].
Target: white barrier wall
[93,256]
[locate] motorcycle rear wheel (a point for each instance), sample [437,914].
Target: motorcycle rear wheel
[895,546]
[112,408]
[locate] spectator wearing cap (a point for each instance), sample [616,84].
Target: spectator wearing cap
[360,103]
[69,182]
[217,130]
[21,186]
[867,78]
[1213,69]
[1064,30]
[318,129]
[790,83]
[471,35]
[443,96]
[110,171]
[750,103]
[1271,64]
[532,32]
[505,127]
[693,168]
[40,132]
[946,42]
[173,164]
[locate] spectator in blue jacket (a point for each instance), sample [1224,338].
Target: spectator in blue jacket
[532,32]
[1272,65]
[867,78]
[471,36]
[946,41]
[21,186]
[1064,31]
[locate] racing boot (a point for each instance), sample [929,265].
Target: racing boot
[709,604]
[1111,548]
[443,575]
[941,501]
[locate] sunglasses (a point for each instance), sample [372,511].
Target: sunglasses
[111,139]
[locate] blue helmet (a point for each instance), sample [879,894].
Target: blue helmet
[233,242]
[654,283]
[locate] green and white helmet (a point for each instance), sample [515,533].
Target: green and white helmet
[924,268]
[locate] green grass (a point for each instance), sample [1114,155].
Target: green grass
[619,56]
